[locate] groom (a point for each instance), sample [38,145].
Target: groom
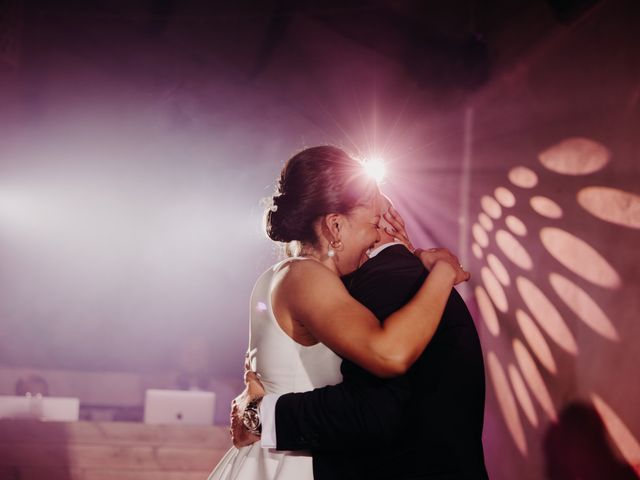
[426,424]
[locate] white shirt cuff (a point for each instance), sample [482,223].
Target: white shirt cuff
[267,411]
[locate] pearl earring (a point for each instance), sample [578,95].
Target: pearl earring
[334,244]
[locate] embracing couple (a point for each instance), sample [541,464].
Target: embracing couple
[363,361]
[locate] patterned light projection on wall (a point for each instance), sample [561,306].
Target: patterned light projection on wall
[611,205]
[506,272]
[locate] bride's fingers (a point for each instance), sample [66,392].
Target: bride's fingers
[392,231]
[398,235]
[397,223]
[393,221]
[463,275]
[394,213]
[401,236]
[395,229]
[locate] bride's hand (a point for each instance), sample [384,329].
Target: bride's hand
[398,231]
[434,255]
[239,434]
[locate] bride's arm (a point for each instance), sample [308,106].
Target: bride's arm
[315,297]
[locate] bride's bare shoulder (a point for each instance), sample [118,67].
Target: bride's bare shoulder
[301,271]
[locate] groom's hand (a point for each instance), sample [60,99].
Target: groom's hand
[240,435]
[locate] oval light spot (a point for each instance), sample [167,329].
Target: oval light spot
[494,289]
[507,402]
[579,257]
[485,221]
[534,379]
[585,308]
[498,269]
[523,177]
[575,156]
[546,315]
[516,225]
[620,434]
[520,389]
[487,311]
[505,197]
[536,341]
[513,250]
[477,251]
[611,205]
[480,235]
[546,207]
[491,207]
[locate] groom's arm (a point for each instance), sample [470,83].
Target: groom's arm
[343,416]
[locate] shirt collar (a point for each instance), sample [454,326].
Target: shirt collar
[372,253]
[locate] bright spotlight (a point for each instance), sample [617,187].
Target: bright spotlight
[375,168]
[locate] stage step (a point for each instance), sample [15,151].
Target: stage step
[27,473]
[108,450]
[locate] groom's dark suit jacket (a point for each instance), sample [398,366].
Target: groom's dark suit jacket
[425,424]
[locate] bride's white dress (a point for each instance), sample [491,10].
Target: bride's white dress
[285,366]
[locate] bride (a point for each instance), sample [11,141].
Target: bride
[303,320]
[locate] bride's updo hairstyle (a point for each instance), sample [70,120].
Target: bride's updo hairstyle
[313,183]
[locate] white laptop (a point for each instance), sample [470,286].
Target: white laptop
[179,407]
[62,409]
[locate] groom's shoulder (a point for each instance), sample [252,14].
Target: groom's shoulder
[396,259]
[397,255]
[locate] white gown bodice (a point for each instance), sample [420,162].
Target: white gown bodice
[284,366]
